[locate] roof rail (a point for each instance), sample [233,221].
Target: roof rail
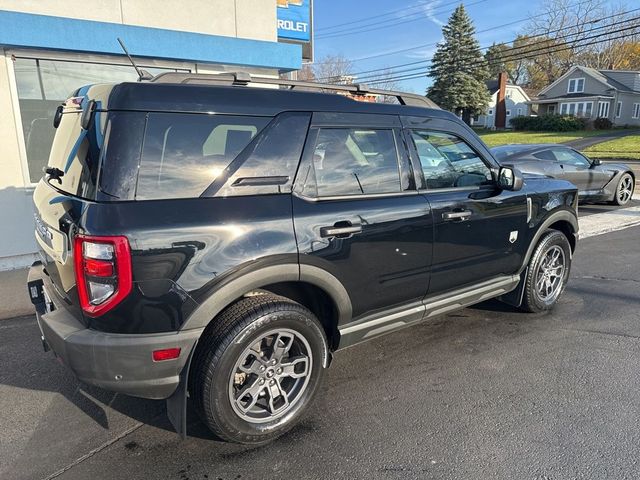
[244,78]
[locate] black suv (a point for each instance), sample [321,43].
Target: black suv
[204,239]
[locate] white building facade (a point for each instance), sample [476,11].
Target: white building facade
[515,101]
[49,48]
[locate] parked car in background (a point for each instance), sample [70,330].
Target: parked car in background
[596,182]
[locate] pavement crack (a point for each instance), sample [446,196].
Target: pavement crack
[602,277]
[94,451]
[600,332]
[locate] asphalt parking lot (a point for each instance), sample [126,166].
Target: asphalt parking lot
[487,392]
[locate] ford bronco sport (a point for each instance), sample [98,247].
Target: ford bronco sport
[202,239]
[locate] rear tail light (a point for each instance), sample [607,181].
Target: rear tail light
[103,272]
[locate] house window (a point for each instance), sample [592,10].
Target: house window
[519,112]
[589,106]
[579,109]
[636,110]
[508,113]
[603,109]
[619,110]
[576,85]
[490,112]
[551,109]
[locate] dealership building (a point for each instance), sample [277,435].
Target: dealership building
[49,48]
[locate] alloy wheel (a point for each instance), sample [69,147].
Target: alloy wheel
[270,376]
[625,189]
[550,274]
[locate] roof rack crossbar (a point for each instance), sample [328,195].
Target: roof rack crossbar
[244,78]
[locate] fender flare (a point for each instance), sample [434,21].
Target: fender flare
[233,289]
[176,405]
[563,215]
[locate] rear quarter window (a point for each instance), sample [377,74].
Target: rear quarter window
[184,153]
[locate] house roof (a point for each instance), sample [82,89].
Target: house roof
[494,85]
[569,96]
[602,76]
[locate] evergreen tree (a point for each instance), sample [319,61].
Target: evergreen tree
[459,70]
[495,59]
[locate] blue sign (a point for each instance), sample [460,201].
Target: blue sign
[294,20]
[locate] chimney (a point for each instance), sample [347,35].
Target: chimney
[501,105]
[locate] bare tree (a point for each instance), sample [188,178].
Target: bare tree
[620,38]
[306,73]
[555,32]
[333,69]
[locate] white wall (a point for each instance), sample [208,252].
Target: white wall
[16,213]
[514,101]
[255,19]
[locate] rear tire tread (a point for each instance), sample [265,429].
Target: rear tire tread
[215,341]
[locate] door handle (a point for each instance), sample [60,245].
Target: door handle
[340,230]
[463,215]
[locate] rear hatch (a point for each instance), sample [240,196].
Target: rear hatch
[67,187]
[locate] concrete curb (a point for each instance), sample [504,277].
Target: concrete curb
[14,300]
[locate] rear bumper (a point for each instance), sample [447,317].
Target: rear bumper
[120,363]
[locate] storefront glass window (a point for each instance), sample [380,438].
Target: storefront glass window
[43,85]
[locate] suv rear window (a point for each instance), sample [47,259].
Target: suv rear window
[184,153]
[76,152]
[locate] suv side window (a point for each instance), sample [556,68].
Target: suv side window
[356,161]
[448,161]
[184,153]
[269,164]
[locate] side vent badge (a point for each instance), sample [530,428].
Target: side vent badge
[513,236]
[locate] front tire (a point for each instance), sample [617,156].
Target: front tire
[624,190]
[259,370]
[548,272]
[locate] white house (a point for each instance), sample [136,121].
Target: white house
[515,101]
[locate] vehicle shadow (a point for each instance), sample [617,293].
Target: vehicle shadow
[27,366]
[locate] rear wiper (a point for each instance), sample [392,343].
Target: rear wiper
[54,173]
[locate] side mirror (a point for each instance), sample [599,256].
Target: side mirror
[595,162]
[510,178]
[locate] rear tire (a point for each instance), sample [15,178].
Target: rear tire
[548,272]
[257,371]
[624,190]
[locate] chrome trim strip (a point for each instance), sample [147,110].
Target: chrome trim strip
[381,320]
[352,334]
[355,197]
[529,209]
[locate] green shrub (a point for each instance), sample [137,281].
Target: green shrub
[549,123]
[602,124]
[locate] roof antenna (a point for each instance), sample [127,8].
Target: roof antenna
[142,74]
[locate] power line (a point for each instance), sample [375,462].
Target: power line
[392,12]
[433,44]
[512,53]
[378,71]
[386,24]
[525,56]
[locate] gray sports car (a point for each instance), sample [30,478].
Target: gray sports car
[596,181]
